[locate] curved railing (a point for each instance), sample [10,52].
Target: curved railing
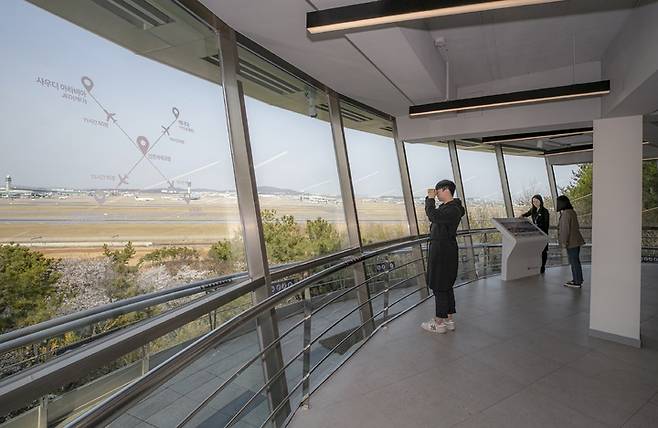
[47,382]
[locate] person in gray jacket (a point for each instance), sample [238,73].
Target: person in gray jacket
[571,239]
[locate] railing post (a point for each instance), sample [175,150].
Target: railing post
[145,359]
[487,260]
[43,412]
[502,171]
[387,284]
[459,183]
[349,205]
[410,207]
[250,217]
[307,349]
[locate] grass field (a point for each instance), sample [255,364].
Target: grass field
[78,226]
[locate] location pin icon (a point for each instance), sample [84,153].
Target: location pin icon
[87,83]
[143,144]
[175,111]
[99,196]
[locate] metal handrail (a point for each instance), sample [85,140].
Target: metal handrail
[58,326]
[34,382]
[30,384]
[110,307]
[290,330]
[176,363]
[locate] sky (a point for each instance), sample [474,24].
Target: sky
[47,140]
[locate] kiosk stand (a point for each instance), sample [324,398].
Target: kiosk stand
[523,243]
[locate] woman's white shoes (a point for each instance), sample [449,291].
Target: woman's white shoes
[434,327]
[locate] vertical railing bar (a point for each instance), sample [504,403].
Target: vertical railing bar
[308,308]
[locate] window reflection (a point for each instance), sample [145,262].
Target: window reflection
[428,164]
[375,175]
[527,176]
[482,189]
[294,162]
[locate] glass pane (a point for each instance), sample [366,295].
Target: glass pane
[483,193]
[428,164]
[121,164]
[650,211]
[575,181]
[375,175]
[527,177]
[294,161]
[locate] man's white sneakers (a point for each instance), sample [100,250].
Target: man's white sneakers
[433,327]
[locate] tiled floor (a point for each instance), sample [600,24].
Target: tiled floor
[521,357]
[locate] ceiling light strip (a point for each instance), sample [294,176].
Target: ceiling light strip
[579,90]
[536,135]
[392,11]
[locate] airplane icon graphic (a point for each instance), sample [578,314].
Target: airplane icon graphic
[110,116]
[165,130]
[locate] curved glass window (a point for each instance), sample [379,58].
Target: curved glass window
[294,162]
[483,192]
[115,153]
[428,164]
[375,175]
[527,176]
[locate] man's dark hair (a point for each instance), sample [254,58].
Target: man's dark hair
[446,184]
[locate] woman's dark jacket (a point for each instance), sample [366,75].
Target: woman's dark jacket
[443,258]
[540,217]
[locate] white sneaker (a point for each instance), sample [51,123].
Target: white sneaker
[433,327]
[450,325]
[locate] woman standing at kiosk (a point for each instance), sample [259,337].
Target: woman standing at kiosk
[541,218]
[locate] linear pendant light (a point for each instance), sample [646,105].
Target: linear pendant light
[579,90]
[391,11]
[536,135]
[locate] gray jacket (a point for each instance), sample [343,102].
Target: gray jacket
[569,230]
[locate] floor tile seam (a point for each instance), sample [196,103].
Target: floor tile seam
[402,379]
[570,406]
[619,360]
[523,388]
[550,397]
[385,385]
[616,359]
[134,416]
[647,403]
[557,338]
[331,376]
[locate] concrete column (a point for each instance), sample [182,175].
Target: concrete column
[617,230]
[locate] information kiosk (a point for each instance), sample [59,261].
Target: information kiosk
[523,243]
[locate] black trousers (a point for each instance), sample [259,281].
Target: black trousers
[544,257]
[445,302]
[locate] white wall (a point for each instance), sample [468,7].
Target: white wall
[631,64]
[617,229]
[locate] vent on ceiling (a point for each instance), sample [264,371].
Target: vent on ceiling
[387,128]
[140,13]
[349,114]
[214,60]
[260,76]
